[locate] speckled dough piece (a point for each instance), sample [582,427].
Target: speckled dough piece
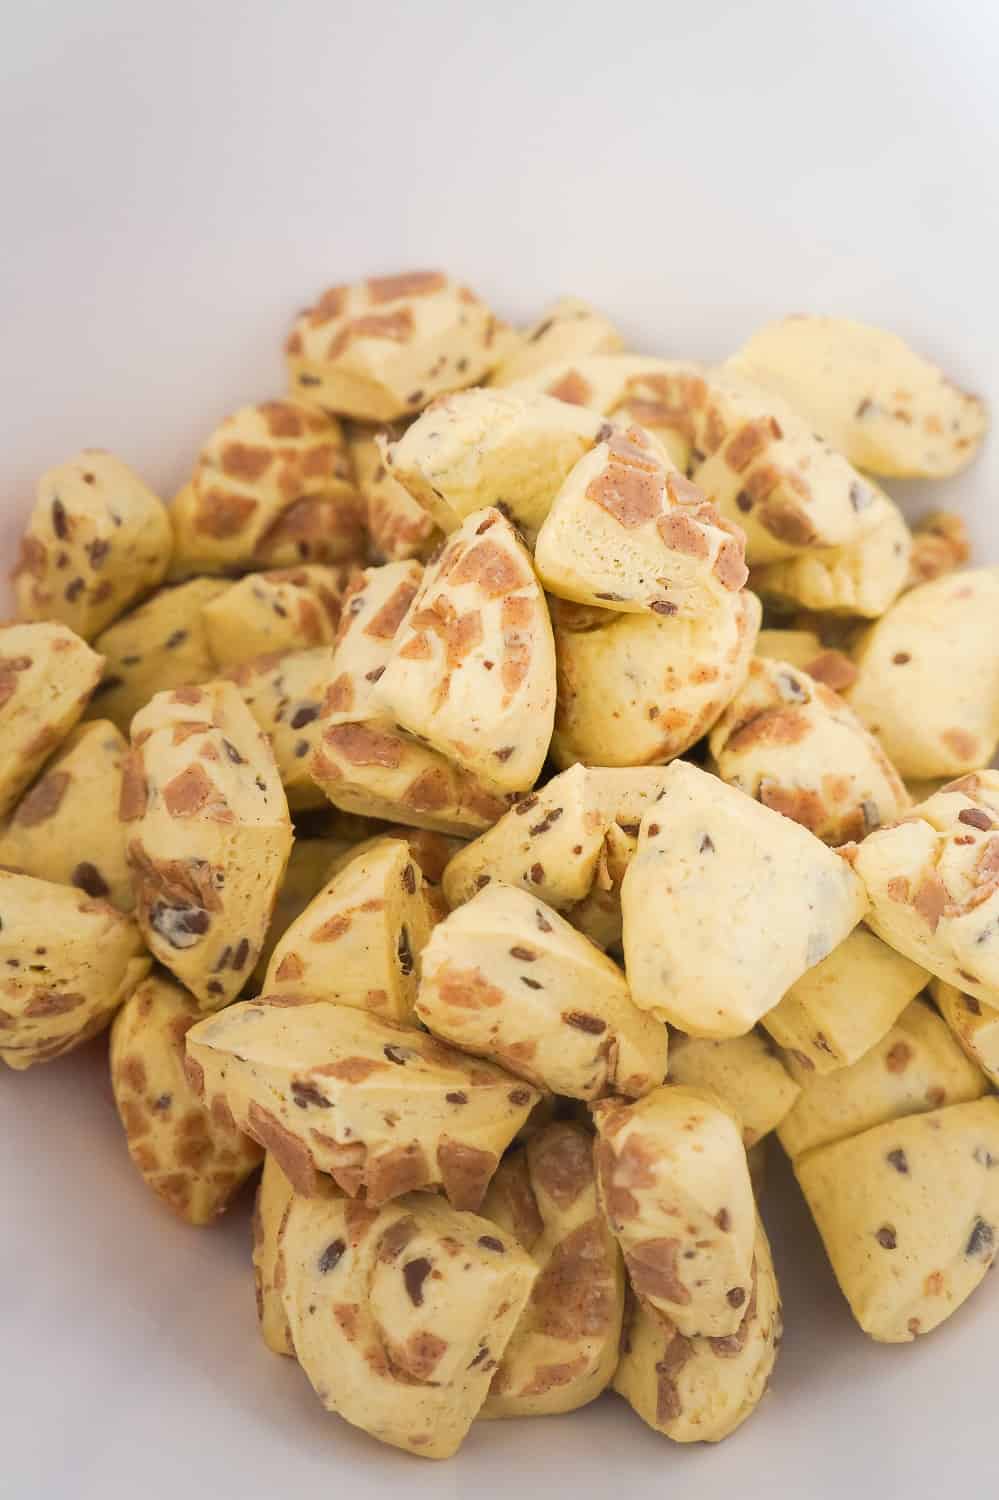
[928,676]
[568,329]
[490,447]
[908,1215]
[97,540]
[628,531]
[804,650]
[208,836]
[285,693]
[726,904]
[384,1109]
[272,487]
[270,1209]
[976,1026]
[933,883]
[674,1179]
[745,1071]
[67,963]
[699,1390]
[635,690]
[161,645]
[308,870]
[47,676]
[398,526]
[472,669]
[66,828]
[940,544]
[400,1317]
[797,748]
[916,1066]
[384,348]
[506,977]
[188,1151]
[565,1347]
[359,940]
[886,407]
[289,609]
[838,1010]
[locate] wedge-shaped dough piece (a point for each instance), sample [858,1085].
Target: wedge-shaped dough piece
[933,883]
[976,1026]
[400,1317]
[797,748]
[804,649]
[726,904]
[634,689]
[488,447]
[208,836]
[161,645]
[472,669]
[837,1011]
[97,539]
[263,480]
[270,1209]
[916,1066]
[568,329]
[288,609]
[598,915]
[67,962]
[940,544]
[699,1390]
[398,526]
[868,393]
[47,676]
[307,871]
[745,1071]
[385,347]
[285,694]
[65,828]
[384,1109]
[505,977]
[552,842]
[908,1214]
[187,1150]
[928,676]
[565,1347]
[375,604]
[675,1187]
[627,530]
[359,940]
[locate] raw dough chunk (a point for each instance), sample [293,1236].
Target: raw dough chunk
[208,836]
[270,1210]
[66,827]
[285,610]
[928,676]
[285,693]
[627,530]
[886,407]
[908,1215]
[726,904]
[472,669]
[804,649]
[862,577]
[268,478]
[506,977]
[307,872]
[400,1317]
[745,1071]
[489,447]
[161,645]
[97,540]
[359,940]
[67,962]
[189,1152]
[674,1180]
[797,748]
[47,676]
[933,883]
[940,544]
[385,347]
[375,604]
[976,1026]
[568,329]
[565,1347]
[634,689]
[384,1109]
[838,1010]
[598,915]
[698,1390]
[398,526]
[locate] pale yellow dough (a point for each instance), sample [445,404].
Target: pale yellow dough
[287,609]
[745,1071]
[568,329]
[975,1025]
[47,677]
[285,694]
[398,526]
[308,869]
[270,1209]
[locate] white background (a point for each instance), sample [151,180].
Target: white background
[175,181]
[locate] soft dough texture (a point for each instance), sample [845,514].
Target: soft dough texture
[284,693]
[976,1026]
[47,676]
[725,904]
[382,1108]
[284,610]
[398,526]
[270,1209]
[568,329]
[97,540]
[745,1071]
[208,836]
[565,1347]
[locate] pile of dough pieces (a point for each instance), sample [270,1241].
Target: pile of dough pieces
[349,789]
